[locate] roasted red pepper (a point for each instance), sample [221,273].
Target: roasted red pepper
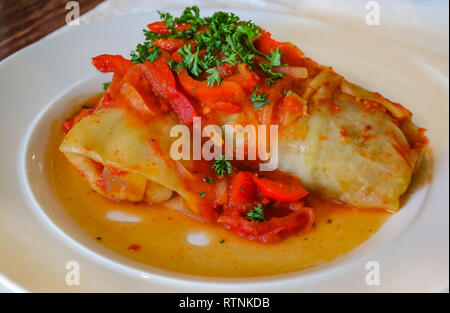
[272,229]
[247,79]
[227,91]
[107,63]
[285,217]
[242,188]
[163,85]
[284,190]
[172,44]
[160,27]
[291,54]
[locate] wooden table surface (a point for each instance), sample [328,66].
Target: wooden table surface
[23,22]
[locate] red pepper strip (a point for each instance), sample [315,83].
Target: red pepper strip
[160,27]
[271,230]
[280,190]
[292,104]
[244,77]
[67,125]
[226,69]
[107,63]
[163,85]
[106,101]
[136,78]
[226,91]
[177,57]
[242,188]
[172,44]
[291,54]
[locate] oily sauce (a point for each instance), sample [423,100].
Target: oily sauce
[162,237]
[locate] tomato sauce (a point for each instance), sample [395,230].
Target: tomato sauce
[160,236]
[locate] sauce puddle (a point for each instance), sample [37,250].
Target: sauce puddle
[164,238]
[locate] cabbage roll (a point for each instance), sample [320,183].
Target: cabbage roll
[352,146]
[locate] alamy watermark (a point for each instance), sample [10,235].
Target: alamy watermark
[373,13]
[72,273]
[373,273]
[73,16]
[261,142]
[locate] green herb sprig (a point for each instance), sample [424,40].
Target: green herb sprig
[144,52]
[222,166]
[227,39]
[259,99]
[257,214]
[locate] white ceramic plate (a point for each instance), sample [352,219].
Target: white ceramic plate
[37,238]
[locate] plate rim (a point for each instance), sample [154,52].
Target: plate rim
[28,133]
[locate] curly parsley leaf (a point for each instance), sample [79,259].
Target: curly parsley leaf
[275,57]
[191,15]
[259,100]
[222,166]
[213,77]
[173,65]
[269,71]
[190,59]
[274,60]
[168,20]
[150,35]
[144,52]
[257,214]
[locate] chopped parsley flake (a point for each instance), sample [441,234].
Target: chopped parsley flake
[144,52]
[259,100]
[257,214]
[190,60]
[202,194]
[214,76]
[208,180]
[222,166]
[106,85]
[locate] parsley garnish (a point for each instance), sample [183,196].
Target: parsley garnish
[225,39]
[106,85]
[144,52]
[259,100]
[275,57]
[226,36]
[151,36]
[202,194]
[222,166]
[208,180]
[190,60]
[168,21]
[173,65]
[191,15]
[257,214]
[274,60]
[214,76]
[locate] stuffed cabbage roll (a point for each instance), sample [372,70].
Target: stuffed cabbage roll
[335,138]
[124,159]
